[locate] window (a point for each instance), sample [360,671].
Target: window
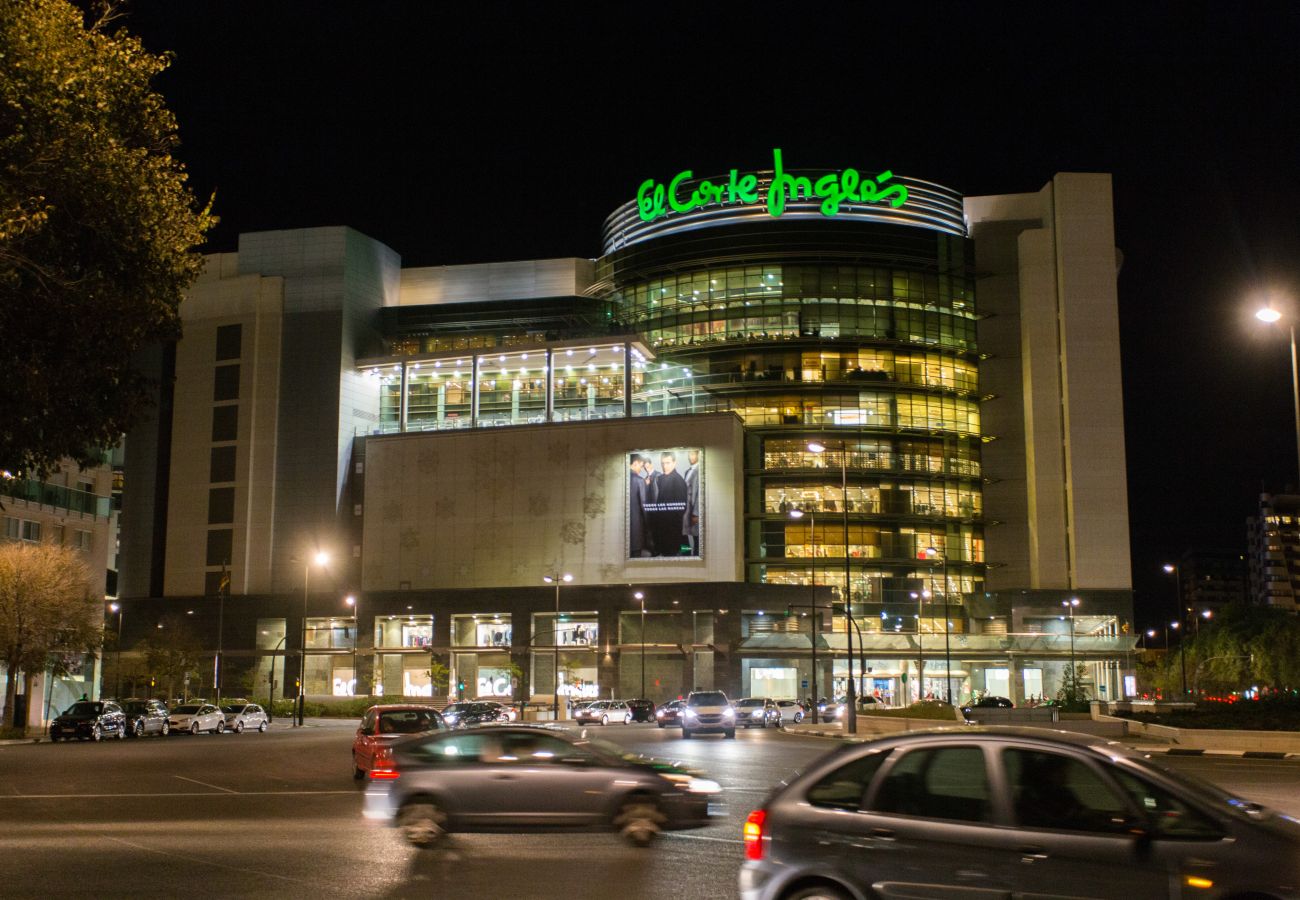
[220,543]
[530,748]
[225,423]
[228,341]
[31,531]
[221,506]
[846,786]
[225,383]
[409,721]
[456,750]
[13,528]
[1051,790]
[222,465]
[82,540]
[941,783]
[1168,816]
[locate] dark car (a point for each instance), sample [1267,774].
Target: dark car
[670,713]
[986,703]
[1003,812]
[89,720]
[521,778]
[145,717]
[641,710]
[474,712]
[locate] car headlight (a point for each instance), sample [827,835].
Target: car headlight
[757,714]
[690,714]
[703,786]
[728,713]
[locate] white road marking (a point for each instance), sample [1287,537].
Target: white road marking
[205,784]
[702,837]
[352,792]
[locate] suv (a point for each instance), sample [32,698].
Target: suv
[708,712]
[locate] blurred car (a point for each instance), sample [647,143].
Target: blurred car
[969,710]
[604,712]
[832,710]
[757,712]
[196,717]
[792,711]
[89,720]
[708,712]
[641,710]
[508,711]
[145,717]
[670,713]
[1011,812]
[575,708]
[382,726]
[517,778]
[244,715]
[474,712]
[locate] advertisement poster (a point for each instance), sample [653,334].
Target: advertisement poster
[663,503]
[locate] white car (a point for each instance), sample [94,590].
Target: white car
[196,717]
[244,715]
[792,711]
[605,712]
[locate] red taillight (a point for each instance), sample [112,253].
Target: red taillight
[386,774]
[382,767]
[753,834]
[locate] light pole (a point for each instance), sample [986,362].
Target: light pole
[1174,570]
[1071,605]
[117,665]
[641,597]
[321,559]
[920,648]
[812,583]
[947,623]
[270,695]
[1270,315]
[352,601]
[850,694]
[1182,656]
[1146,644]
[556,579]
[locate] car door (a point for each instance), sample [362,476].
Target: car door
[549,781]
[1072,829]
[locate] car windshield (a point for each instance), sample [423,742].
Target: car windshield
[708,698]
[136,707]
[748,703]
[233,708]
[84,709]
[408,721]
[457,708]
[188,710]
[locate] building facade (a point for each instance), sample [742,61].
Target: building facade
[785,418]
[1273,551]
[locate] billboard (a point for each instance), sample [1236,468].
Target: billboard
[664,516]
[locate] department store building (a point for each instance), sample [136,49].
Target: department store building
[781,414]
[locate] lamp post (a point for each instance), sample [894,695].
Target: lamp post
[947,623]
[352,601]
[556,579]
[1182,656]
[321,559]
[1173,569]
[1070,606]
[920,648]
[1270,315]
[117,664]
[1146,643]
[641,597]
[270,694]
[850,694]
[812,583]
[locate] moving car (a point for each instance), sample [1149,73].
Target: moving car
[145,717]
[642,710]
[474,712]
[757,712]
[670,713]
[518,778]
[969,710]
[1003,812]
[708,712]
[792,711]
[244,715]
[604,712]
[196,717]
[89,720]
[383,726]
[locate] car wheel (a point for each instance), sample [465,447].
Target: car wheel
[661,725]
[639,820]
[604,720]
[138,730]
[817,892]
[262,728]
[422,823]
[194,728]
[686,734]
[221,726]
[96,734]
[798,718]
[54,739]
[627,720]
[121,732]
[732,733]
[239,727]
[358,773]
[166,729]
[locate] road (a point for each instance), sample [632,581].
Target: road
[277,814]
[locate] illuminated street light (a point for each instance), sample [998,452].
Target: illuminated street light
[1271,315]
[556,578]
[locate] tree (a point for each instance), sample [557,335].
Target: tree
[1073,695]
[1245,646]
[97,230]
[439,675]
[47,614]
[171,652]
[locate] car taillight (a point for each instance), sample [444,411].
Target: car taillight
[384,772]
[753,834]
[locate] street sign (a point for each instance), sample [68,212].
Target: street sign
[804,683]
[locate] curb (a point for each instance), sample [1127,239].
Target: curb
[1235,754]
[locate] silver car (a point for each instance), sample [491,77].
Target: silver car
[244,715]
[792,711]
[1011,812]
[605,712]
[191,718]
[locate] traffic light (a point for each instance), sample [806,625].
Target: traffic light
[460,686]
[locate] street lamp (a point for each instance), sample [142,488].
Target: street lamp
[1173,569]
[1182,655]
[920,648]
[1146,644]
[352,601]
[117,665]
[556,579]
[1270,315]
[641,597]
[932,553]
[850,694]
[812,583]
[321,559]
[1070,606]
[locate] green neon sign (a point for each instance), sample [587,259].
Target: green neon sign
[654,199]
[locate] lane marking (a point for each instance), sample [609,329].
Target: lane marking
[702,837]
[352,792]
[205,784]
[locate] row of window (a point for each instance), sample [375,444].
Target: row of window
[862,365]
[16,529]
[221,464]
[922,499]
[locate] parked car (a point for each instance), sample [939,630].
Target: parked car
[792,711]
[474,712]
[145,717]
[757,712]
[518,778]
[196,717]
[670,713]
[89,720]
[244,715]
[641,710]
[1011,812]
[708,712]
[986,702]
[382,726]
[604,712]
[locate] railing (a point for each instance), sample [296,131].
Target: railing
[56,495]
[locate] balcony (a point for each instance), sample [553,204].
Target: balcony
[57,496]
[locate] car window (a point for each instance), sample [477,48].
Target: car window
[368,723]
[456,750]
[708,698]
[408,721]
[1051,790]
[937,783]
[1169,817]
[532,748]
[846,786]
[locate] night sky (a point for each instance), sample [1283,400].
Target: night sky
[482,132]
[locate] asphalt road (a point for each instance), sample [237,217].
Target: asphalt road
[278,814]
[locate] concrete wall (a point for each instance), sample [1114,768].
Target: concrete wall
[521,280]
[501,507]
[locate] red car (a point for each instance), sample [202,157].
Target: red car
[382,726]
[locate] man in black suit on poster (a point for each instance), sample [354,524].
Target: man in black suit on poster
[666,513]
[638,493]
